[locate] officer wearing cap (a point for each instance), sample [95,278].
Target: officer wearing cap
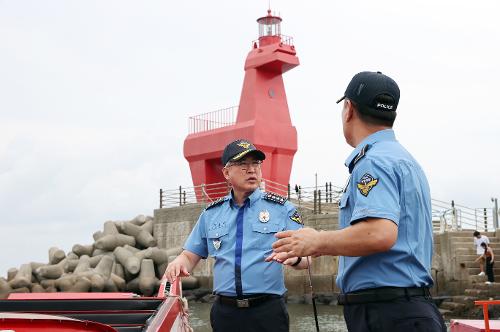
[238,231]
[385,237]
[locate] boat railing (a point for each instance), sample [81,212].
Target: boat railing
[485,304]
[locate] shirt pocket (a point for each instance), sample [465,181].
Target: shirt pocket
[217,241]
[264,234]
[344,211]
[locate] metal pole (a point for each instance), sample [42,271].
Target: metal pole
[314,204]
[485,220]
[453,216]
[297,190]
[180,195]
[316,181]
[319,201]
[495,213]
[161,198]
[312,294]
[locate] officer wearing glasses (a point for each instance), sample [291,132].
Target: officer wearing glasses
[238,231]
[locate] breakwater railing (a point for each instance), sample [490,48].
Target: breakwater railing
[324,199]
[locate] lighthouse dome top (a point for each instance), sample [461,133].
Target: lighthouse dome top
[269,25]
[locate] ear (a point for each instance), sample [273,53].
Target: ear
[349,110]
[225,172]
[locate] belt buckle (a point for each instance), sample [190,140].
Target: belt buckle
[242,303]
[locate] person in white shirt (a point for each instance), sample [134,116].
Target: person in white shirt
[478,239]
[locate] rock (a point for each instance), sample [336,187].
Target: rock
[11,273]
[113,241]
[147,278]
[22,278]
[142,237]
[56,255]
[81,250]
[128,260]
[209,298]
[190,282]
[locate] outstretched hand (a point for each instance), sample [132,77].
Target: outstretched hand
[299,243]
[176,269]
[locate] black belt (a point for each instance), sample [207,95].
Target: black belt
[382,294]
[250,301]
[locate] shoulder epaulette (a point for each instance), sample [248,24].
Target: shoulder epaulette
[217,202]
[360,156]
[275,198]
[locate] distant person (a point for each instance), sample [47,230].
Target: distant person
[489,257]
[238,231]
[478,240]
[385,237]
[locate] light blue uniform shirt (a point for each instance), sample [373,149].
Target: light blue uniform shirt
[218,223]
[387,182]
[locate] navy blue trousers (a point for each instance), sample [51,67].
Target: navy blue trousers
[400,315]
[271,316]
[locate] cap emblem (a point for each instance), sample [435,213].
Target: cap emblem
[388,107]
[244,145]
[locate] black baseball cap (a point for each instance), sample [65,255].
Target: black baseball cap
[238,149]
[374,93]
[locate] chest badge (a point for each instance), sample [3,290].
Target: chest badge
[217,244]
[264,216]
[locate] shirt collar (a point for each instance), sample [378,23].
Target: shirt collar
[381,135]
[254,197]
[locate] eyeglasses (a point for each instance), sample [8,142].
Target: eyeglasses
[244,165]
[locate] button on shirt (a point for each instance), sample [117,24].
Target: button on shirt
[387,182]
[215,234]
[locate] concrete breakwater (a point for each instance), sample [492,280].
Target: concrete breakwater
[453,266]
[122,257]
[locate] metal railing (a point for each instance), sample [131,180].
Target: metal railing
[316,198]
[213,120]
[455,217]
[324,199]
[285,40]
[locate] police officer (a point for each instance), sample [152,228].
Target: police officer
[385,237]
[238,230]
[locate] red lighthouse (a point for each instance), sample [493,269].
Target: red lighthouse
[263,116]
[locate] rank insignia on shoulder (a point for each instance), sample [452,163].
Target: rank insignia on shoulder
[366,184]
[275,198]
[215,203]
[297,218]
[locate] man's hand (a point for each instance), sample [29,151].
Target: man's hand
[174,270]
[300,243]
[181,265]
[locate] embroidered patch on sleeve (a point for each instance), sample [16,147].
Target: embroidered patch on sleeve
[296,217]
[366,184]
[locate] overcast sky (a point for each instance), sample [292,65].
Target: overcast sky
[95,97]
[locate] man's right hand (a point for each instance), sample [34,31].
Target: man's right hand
[176,269]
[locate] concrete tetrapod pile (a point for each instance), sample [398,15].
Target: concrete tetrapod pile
[123,257]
